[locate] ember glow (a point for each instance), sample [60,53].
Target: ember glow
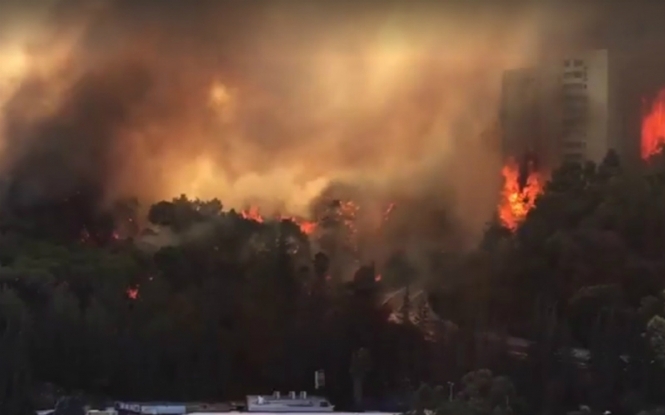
[517,200]
[133,293]
[307,227]
[653,127]
[343,212]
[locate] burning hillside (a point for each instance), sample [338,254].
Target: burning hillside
[260,105]
[653,127]
[254,213]
[521,187]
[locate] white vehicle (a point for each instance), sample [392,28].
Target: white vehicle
[290,403]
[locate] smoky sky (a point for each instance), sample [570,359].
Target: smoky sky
[266,103]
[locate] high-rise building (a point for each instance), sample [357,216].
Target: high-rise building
[584,102]
[578,107]
[558,111]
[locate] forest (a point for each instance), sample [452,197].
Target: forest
[564,314]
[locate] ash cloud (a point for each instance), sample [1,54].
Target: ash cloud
[268,103]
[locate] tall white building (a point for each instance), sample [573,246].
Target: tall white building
[585,110]
[558,111]
[580,106]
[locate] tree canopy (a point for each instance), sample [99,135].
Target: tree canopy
[210,304]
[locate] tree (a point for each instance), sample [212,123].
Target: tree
[568,307]
[361,364]
[656,333]
[482,393]
[15,379]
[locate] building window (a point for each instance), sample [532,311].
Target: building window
[579,105]
[573,63]
[575,111]
[573,130]
[574,99]
[573,157]
[574,75]
[572,120]
[568,87]
[574,145]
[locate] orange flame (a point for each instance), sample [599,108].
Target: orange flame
[307,227]
[517,201]
[653,127]
[252,213]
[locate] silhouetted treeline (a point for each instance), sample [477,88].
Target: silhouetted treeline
[566,311]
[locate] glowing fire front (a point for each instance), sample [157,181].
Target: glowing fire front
[518,197]
[307,227]
[653,127]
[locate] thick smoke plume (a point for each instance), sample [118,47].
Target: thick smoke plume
[264,103]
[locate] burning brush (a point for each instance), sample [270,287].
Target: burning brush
[653,127]
[522,184]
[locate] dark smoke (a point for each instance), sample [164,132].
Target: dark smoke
[391,100]
[72,151]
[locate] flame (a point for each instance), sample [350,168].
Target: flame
[252,213]
[306,226]
[133,293]
[653,127]
[336,85]
[517,201]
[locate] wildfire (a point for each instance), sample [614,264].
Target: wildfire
[345,213]
[517,200]
[307,227]
[252,213]
[653,127]
[348,211]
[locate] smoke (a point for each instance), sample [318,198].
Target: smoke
[265,103]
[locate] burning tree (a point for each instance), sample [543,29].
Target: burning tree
[521,187]
[653,127]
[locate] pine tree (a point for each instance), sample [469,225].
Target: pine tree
[423,317]
[15,379]
[405,311]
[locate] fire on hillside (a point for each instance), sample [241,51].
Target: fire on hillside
[522,183]
[653,126]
